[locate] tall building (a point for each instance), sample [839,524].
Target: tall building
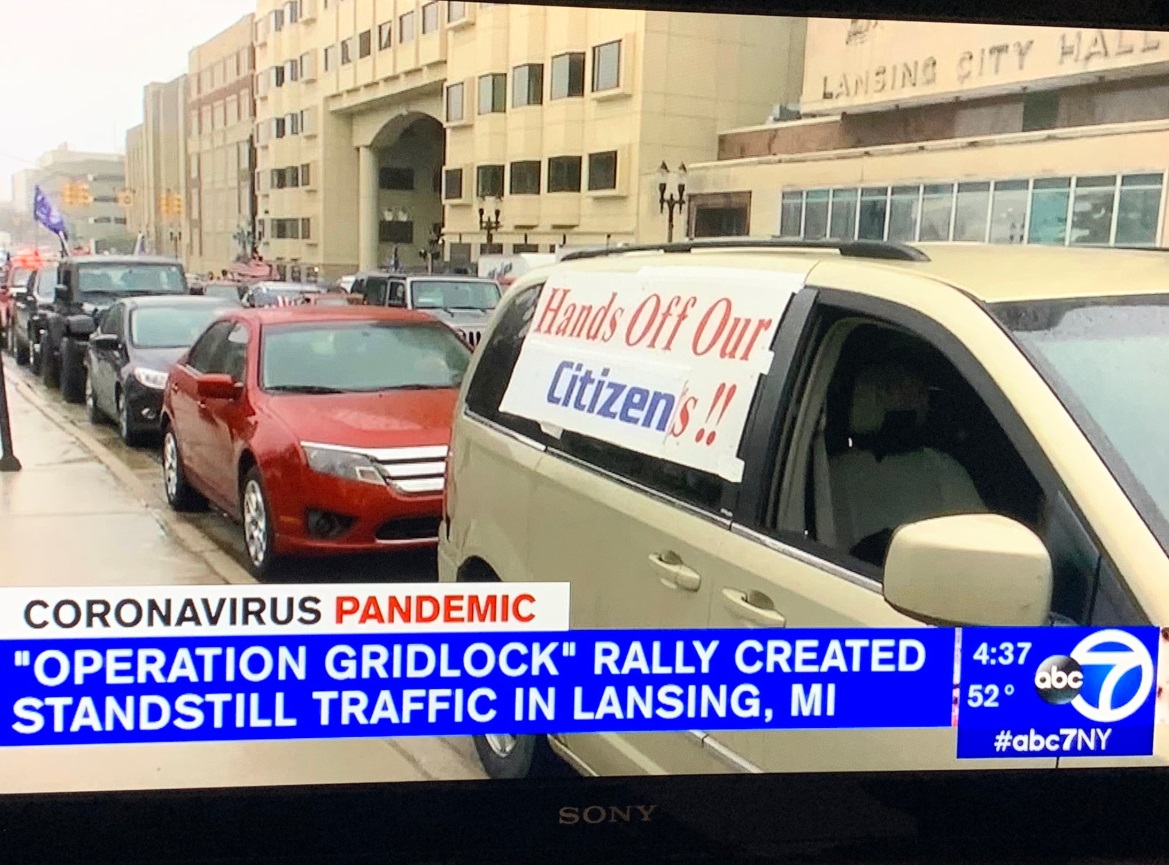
[968,132]
[100,222]
[220,213]
[381,123]
[155,168]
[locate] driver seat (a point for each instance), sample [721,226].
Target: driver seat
[888,476]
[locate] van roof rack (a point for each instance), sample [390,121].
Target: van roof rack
[875,249]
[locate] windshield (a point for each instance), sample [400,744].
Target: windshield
[339,356]
[136,278]
[229,292]
[455,294]
[170,326]
[1107,360]
[46,285]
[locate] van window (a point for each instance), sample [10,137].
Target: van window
[486,391]
[888,431]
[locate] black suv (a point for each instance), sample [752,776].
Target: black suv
[86,286]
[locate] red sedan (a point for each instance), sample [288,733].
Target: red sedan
[322,429]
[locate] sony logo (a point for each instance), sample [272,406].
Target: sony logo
[593,814]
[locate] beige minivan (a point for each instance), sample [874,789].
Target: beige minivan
[817,435]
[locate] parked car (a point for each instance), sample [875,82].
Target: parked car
[818,435]
[88,285]
[322,429]
[131,353]
[461,302]
[232,291]
[335,299]
[13,280]
[280,293]
[29,310]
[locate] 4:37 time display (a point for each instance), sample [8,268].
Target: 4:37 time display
[1003,654]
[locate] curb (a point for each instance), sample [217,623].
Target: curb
[184,534]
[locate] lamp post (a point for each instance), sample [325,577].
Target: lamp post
[669,204]
[176,236]
[433,250]
[243,235]
[490,224]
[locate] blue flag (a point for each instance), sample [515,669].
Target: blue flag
[47,215]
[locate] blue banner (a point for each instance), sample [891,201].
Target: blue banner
[1057,692]
[190,689]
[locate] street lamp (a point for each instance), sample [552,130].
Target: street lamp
[244,236]
[176,235]
[671,203]
[490,224]
[433,250]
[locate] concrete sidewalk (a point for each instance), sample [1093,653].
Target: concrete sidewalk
[67,519]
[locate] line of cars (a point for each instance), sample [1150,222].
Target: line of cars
[321,427]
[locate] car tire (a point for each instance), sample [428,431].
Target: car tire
[92,412]
[50,365]
[258,526]
[20,350]
[34,357]
[73,372]
[180,495]
[130,436]
[510,758]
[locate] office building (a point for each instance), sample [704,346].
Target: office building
[99,223]
[155,167]
[966,132]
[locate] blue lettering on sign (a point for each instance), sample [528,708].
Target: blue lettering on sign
[575,387]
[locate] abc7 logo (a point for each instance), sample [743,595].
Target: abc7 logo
[1112,655]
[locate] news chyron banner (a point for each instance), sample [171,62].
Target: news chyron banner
[233,663]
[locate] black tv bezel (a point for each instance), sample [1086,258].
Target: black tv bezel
[903,817]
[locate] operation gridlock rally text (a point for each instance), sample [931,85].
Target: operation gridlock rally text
[175,664]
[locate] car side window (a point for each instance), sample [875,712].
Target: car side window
[397,295]
[231,354]
[374,291]
[492,376]
[111,322]
[885,430]
[208,345]
[46,283]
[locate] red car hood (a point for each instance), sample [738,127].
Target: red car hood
[387,419]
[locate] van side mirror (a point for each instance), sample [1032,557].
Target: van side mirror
[61,294]
[972,569]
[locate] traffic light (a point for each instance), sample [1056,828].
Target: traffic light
[171,204]
[84,195]
[76,194]
[69,194]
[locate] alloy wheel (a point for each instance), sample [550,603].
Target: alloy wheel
[255,523]
[502,745]
[170,465]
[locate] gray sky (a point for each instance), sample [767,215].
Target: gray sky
[73,70]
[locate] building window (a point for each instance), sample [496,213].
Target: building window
[430,17]
[294,123]
[385,35]
[456,10]
[564,174]
[492,93]
[1138,209]
[489,181]
[603,170]
[292,11]
[305,175]
[396,232]
[842,214]
[398,179]
[278,19]
[873,210]
[119,220]
[816,214]
[406,28]
[567,76]
[347,51]
[1040,110]
[292,70]
[606,66]
[365,43]
[971,209]
[1008,211]
[306,226]
[527,85]
[277,76]
[278,127]
[1092,207]
[937,210]
[525,178]
[452,184]
[904,209]
[456,101]
[1047,221]
[791,214]
[329,57]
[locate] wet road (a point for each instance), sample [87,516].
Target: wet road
[145,462]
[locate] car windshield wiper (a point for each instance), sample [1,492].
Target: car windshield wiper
[408,387]
[304,388]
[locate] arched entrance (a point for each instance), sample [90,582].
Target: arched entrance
[400,177]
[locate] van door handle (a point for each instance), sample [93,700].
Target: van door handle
[753,607]
[675,575]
